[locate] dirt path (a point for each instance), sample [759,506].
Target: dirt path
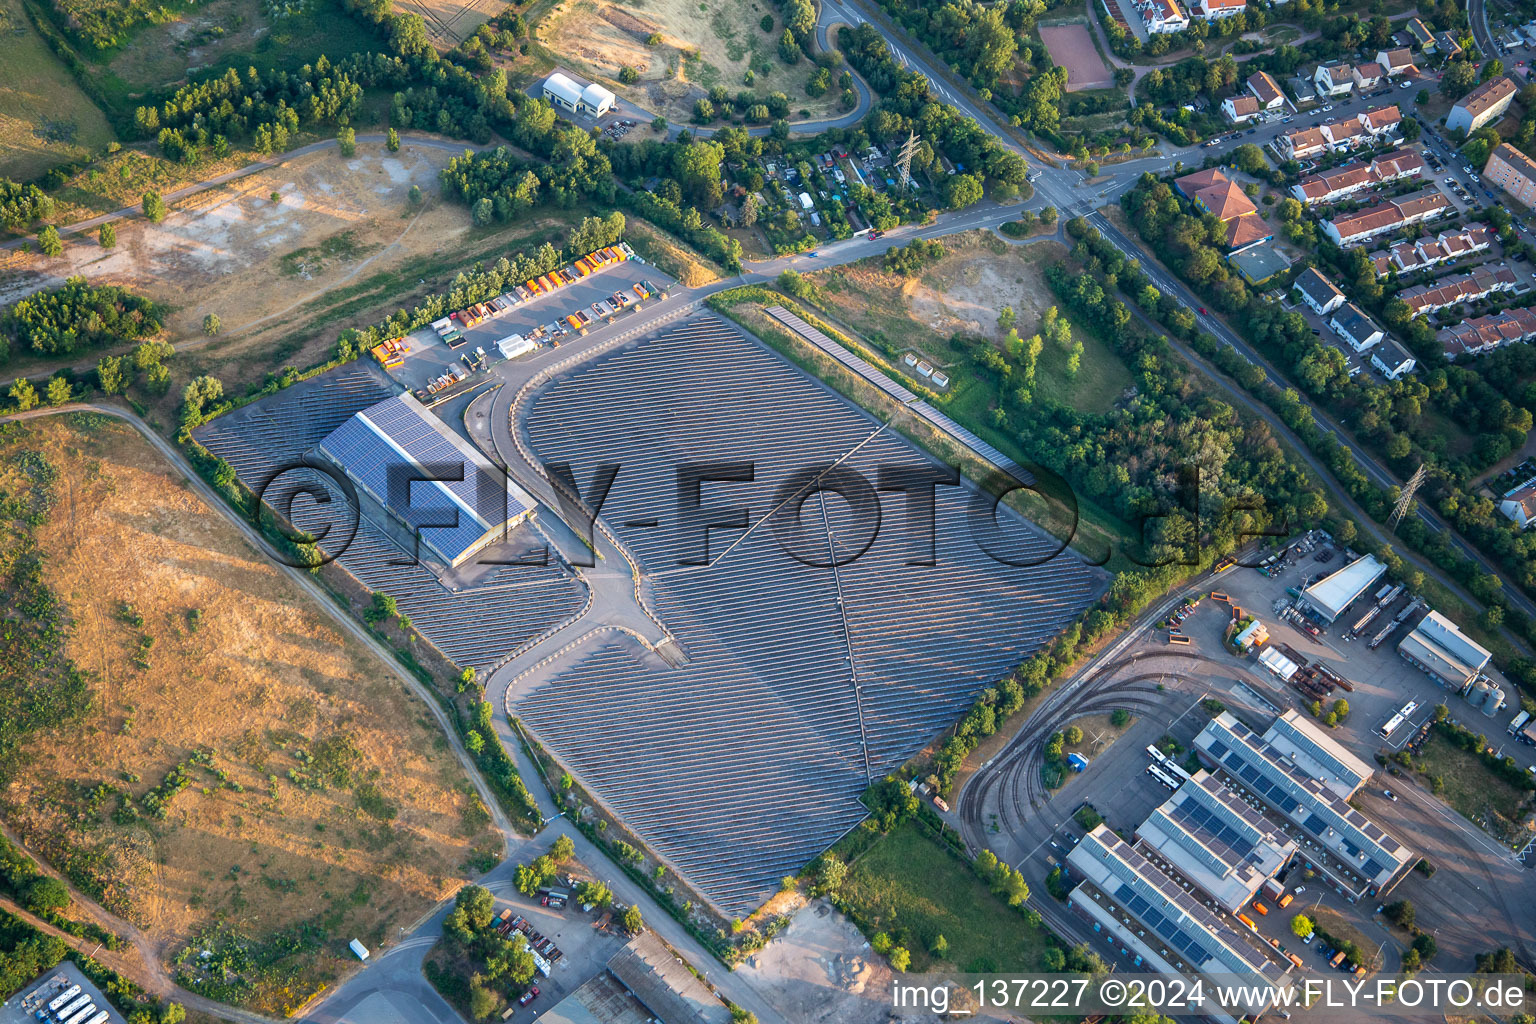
[151,977]
[148,952]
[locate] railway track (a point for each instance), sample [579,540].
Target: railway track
[1016,770]
[1023,788]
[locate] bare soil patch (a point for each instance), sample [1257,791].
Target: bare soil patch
[223,251]
[703,44]
[962,292]
[450,22]
[1071,47]
[820,970]
[322,801]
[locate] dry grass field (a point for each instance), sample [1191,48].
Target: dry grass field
[703,44]
[246,780]
[450,22]
[341,247]
[45,120]
[963,292]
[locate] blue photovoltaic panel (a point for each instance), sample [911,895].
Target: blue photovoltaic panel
[479,625]
[408,428]
[453,515]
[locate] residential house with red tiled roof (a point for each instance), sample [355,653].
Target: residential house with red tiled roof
[1266,90]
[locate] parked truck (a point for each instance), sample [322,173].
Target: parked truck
[1519,722]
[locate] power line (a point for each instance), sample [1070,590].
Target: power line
[904,158]
[1405,498]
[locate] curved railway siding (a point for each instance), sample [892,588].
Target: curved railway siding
[1014,775]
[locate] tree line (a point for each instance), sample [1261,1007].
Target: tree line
[1163,222]
[909,104]
[76,316]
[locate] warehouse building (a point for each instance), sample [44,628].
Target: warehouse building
[1317,753]
[415,474]
[1329,596]
[1124,895]
[1217,841]
[593,100]
[1306,801]
[1444,652]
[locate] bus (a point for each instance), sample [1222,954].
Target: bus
[1161,776]
[62,998]
[1167,766]
[1179,774]
[1397,720]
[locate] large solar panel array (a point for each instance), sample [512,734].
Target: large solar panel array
[1176,917]
[1307,801]
[1235,811]
[477,626]
[923,408]
[368,458]
[803,681]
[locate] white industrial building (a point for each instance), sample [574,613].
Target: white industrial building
[1279,664]
[1145,911]
[1217,841]
[1329,596]
[1310,803]
[593,100]
[1444,652]
[1318,754]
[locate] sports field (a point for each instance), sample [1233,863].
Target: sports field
[1071,47]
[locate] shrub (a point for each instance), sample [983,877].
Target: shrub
[49,242]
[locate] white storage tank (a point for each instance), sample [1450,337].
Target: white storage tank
[1494,702]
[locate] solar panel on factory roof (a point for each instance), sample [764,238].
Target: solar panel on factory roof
[404,460]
